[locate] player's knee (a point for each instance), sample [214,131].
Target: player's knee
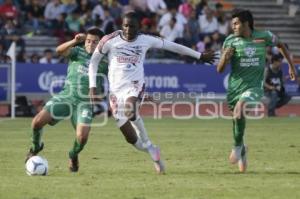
[130,114]
[82,139]
[37,122]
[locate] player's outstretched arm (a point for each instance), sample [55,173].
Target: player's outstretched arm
[208,57]
[225,59]
[93,69]
[284,51]
[64,49]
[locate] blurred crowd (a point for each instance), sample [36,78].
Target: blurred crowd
[199,24]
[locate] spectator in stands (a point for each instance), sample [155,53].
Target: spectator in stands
[157,6]
[48,57]
[22,57]
[35,58]
[108,24]
[86,19]
[83,7]
[274,86]
[192,30]
[293,7]
[186,8]
[208,22]
[52,12]
[172,30]
[173,3]
[73,22]
[200,6]
[223,26]
[98,12]
[148,26]
[69,5]
[166,18]
[10,33]
[139,6]
[61,28]
[8,10]
[115,10]
[216,41]
[3,57]
[204,43]
[34,16]
[219,12]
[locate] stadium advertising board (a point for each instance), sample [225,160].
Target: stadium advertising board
[39,78]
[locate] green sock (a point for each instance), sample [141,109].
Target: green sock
[36,139]
[238,131]
[77,147]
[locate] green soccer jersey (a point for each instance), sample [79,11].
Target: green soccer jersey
[77,81]
[248,61]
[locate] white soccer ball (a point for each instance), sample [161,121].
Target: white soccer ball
[36,165]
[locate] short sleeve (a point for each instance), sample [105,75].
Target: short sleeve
[228,42]
[271,39]
[74,52]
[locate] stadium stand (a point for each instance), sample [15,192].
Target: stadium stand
[41,25]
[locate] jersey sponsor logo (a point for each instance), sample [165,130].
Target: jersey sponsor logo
[129,54]
[250,51]
[258,40]
[128,59]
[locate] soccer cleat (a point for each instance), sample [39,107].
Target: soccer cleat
[242,163]
[33,153]
[235,154]
[154,152]
[74,164]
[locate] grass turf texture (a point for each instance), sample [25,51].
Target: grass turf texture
[195,153]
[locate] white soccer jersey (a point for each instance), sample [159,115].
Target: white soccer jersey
[126,58]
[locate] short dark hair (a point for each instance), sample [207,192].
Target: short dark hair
[131,15]
[95,31]
[244,16]
[277,57]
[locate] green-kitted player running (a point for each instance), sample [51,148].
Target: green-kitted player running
[245,50]
[73,101]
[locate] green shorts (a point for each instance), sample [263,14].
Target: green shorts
[252,95]
[80,112]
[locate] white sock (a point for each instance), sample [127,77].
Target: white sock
[141,132]
[140,146]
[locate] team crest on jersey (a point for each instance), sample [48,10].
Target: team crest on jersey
[250,51]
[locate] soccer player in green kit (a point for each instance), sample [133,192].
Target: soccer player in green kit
[245,49]
[73,101]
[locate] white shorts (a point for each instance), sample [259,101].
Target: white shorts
[118,99]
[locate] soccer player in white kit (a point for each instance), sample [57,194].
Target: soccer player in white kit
[126,50]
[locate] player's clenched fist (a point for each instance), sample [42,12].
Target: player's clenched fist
[80,37]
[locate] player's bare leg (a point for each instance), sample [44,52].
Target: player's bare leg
[82,134]
[239,152]
[143,143]
[38,122]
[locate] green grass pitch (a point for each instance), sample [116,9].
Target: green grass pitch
[195,152]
